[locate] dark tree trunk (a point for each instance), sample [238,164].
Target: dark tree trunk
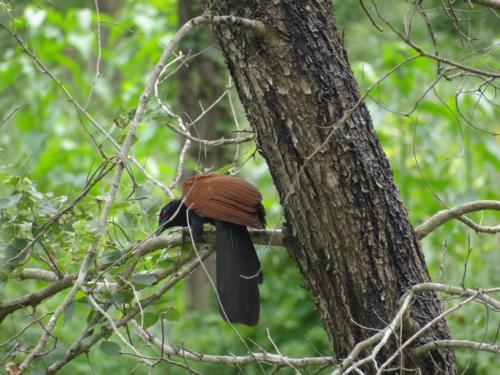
[346,226]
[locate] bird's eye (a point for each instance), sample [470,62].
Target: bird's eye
[163,213]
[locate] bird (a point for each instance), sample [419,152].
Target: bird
[231,205]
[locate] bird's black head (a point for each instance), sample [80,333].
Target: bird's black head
[172,215]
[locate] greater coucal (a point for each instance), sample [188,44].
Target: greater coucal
[230,204]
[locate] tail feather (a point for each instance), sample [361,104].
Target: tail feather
[238,274]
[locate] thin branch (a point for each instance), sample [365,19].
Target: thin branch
[384,335]
[84,343]
[34,298]
[103,171]
[259,236]
[495,4]
[171,350]
[437,58]
[442,217]
[115,329]
[492,348]
[99,53]
[82,110]
[480,294]
[11,113]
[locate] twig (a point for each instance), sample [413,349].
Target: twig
[80,108]
[115,329]
[403,346]
[98,59]
[383,335]
[495,4]
[82,347]
[442,217]
[103,171]
[420,351]
[481,294]
[11,113]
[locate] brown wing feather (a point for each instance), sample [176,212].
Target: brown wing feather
[224,198]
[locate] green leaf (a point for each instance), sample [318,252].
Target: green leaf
[172,314]
[149,319]
[10,201]
[95,226]
[110,348]
[68,312]
[15,247]
[80,295]
[111,257]
[124,296]
[144,279]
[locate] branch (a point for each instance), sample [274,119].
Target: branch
[351,364]
[34,298]
[170,350]
[442,217]
[404,345]
[80,108]
[492,348]
[439,59]
[115,329]
[348,363]
[99,174]
[495,4]
[83,347]
[479,294]
[259,236]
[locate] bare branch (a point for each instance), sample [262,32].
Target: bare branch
[403,346]
[171,350]
[81,346]
[34,298]
[481,294]
[492,348]
[11,113]
[495,4]
[349,365]
[81,109]
[442,217]
[115,329]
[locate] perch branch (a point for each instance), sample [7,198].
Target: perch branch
[442,217]
[170,350]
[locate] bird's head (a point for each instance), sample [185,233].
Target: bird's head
[172,215]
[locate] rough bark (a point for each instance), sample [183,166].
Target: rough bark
[346,226]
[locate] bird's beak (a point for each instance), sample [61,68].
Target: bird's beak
[160,229]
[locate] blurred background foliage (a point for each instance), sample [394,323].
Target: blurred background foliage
[48,151]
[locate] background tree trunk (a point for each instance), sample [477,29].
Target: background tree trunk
[201,82]
[346,226]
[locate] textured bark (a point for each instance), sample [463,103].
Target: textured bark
[346,226]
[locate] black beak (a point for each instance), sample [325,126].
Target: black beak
[160,229]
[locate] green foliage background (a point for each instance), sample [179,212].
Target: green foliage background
[47,150]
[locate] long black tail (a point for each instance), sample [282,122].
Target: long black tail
[238,274]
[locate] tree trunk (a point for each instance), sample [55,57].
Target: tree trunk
[346,226]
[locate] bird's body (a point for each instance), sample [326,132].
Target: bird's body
[231,204]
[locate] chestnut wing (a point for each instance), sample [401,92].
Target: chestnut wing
[223,198]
